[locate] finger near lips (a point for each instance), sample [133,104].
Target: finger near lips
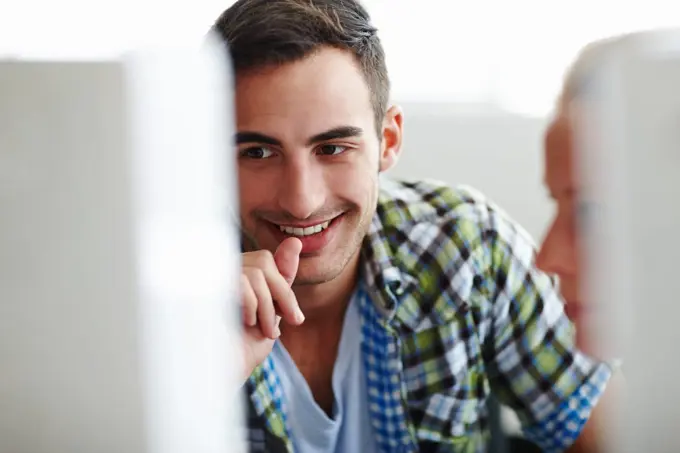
[287,258]
[278,285]
[267,294]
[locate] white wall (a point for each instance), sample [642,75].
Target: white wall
[496,152]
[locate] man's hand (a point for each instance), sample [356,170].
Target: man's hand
[267,297]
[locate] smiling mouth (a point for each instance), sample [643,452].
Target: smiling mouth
[307,231]
[310,230]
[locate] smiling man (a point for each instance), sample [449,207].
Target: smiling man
[379,315]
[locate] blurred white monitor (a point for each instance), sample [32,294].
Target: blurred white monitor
[630,160]
[118,256]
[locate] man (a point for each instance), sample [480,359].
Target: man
[411,303]
[560,252]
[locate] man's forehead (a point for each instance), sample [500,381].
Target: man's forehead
[559,156]
[325,77]
[303,101]
[302,126]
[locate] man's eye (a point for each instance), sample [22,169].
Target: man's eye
[331,150]
[257,152]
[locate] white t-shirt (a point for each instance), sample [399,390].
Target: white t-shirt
[349,429]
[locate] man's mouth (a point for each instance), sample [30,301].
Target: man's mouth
[300,231]
[314,235]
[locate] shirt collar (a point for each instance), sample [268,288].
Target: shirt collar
[382,270]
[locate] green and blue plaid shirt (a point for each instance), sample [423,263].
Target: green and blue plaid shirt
[455,308]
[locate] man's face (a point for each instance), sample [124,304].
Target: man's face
[309,158]
[559,253]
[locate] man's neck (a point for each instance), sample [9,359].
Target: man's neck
[313,346]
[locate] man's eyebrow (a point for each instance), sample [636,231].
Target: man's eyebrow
[256,137]
[336,133]
[331,134]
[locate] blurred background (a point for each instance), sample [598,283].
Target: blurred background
[477,79]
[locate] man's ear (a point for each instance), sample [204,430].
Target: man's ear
[392,133]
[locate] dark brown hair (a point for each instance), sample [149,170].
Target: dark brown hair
[263,33]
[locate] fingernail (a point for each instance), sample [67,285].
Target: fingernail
[299,316]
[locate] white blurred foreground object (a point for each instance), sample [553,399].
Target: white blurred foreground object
[630,160]
[119,261]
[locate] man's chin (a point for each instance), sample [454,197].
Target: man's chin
[325,267]
[314,270]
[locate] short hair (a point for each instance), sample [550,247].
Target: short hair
[261,33]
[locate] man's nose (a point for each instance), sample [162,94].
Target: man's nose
[303,189]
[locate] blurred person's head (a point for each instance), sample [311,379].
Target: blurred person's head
[560,252]
[314,126]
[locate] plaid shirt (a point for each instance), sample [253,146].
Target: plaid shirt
[454,309]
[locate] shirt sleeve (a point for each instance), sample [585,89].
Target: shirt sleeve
[533,364]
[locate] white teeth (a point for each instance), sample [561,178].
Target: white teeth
[304,231]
